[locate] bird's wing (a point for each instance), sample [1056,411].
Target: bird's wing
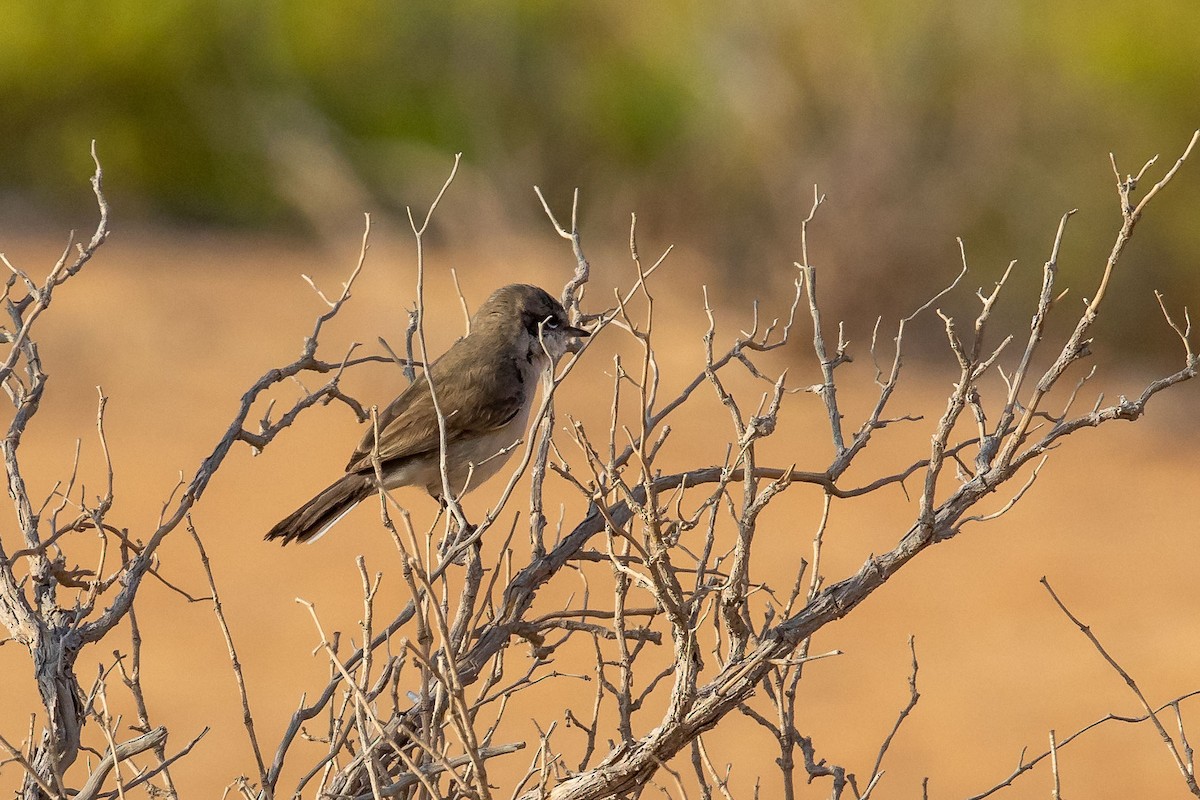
[482,397]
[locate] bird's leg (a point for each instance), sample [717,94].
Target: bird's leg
[455,536]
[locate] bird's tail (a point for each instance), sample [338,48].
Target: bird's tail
[311,520]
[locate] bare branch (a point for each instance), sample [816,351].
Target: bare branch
[1188,777]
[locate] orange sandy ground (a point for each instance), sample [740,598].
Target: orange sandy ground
[174,328]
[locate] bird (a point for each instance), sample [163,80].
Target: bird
[484,386]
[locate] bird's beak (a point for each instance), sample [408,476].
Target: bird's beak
[574,345]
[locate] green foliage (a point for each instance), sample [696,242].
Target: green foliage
[923,120]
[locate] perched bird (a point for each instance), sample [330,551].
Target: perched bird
[484,385]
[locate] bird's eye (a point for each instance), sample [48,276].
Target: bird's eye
[552,324]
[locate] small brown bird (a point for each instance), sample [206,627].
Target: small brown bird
[485,385]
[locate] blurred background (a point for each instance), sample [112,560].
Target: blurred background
[242,142]
[922,121]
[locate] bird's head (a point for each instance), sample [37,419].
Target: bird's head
[525,311]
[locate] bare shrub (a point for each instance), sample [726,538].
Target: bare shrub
[681,629]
